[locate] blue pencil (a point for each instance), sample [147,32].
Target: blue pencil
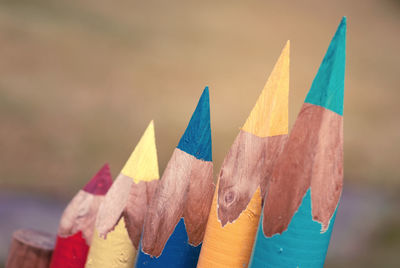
[177,216]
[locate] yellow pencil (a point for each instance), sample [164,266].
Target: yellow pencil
[244,175]
[120,218]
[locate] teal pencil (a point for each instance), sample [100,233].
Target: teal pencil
[306,183]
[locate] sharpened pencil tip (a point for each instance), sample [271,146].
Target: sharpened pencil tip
[142,165]
[269,116]
[197,137]
[101,182]
[327,89]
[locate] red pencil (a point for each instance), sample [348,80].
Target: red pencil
[77,222]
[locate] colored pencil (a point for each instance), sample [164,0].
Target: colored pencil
[30,249]
[77,222]
[120,219]
[304,192]
[236,207]
[175,222]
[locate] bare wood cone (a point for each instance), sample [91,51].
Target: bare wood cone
[30,249]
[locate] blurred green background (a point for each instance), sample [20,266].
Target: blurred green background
[80,80]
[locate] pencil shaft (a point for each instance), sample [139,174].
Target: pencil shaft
[77,222]
[306,182]
[245,173]
[120,218]
[176,219]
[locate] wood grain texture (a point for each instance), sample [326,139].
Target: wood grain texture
[180,178]
[138,202]
[123,194]
[176,218]
[246,167]
[303,193]
[114,204]
[30,249]
[128,198]
[245,173]
[312,158]
[80,215]
[231,245]
[327,171]
[119,221]
[198,201]
[77,222]
[250,159]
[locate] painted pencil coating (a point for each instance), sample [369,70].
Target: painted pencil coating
[70,251]
[269,117]
[221,245]
[177,252]
[327,89]
[142,165]
[282,250]
[77,222]
[185,169]
[114,251]
[175,222]
[120,218]
[306,184]
[244,174]
[196,140]
[100,183]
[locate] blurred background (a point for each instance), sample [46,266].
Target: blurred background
[80,81]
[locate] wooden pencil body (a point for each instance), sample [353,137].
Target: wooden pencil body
[302,199]
[120,218]
[236,209]
[77,222]
[306,183]
[245,175]
[175,222]
[186,205]
[30,249]
[231,245]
